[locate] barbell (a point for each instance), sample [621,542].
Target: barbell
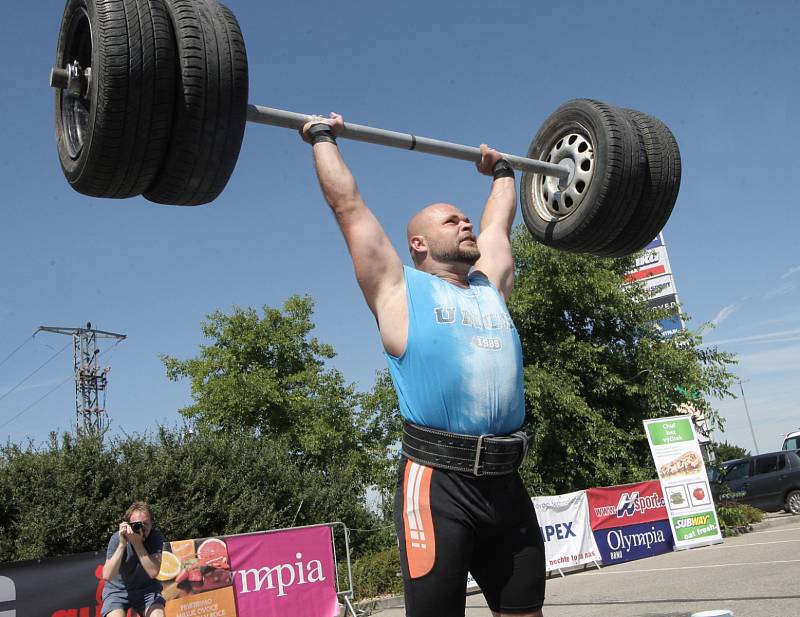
[151,99]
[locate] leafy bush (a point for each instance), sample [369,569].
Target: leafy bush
[68,495]
[735,515]
[375,575]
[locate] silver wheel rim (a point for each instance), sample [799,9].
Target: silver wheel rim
[794,503]
[553,199]
[76,109]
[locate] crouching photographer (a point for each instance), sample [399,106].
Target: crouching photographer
[133,560]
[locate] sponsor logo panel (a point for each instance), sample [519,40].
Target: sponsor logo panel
[618,544]
[630,504]
[696,526]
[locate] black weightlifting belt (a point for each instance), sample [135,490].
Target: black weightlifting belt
[484,455]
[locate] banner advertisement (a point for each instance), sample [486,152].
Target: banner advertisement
[282,573]
[264,574]
[618,544]
[682,472]
[58,587]
[630,521]
[628,504]
[568,539]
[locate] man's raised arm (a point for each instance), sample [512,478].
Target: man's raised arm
[378,268]
[494,240]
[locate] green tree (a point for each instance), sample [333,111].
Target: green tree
[596,366]
[270,375]
[727,451]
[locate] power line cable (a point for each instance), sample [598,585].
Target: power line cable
[8,357]
[49,392]
[26,378]
[38,400]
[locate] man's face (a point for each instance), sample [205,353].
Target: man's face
[450,237]
[142,517]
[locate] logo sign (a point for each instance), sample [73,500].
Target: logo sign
[653,262]
[564,522]
[618,544]
[670,431]
[630,504]
[289,572]
[697,526]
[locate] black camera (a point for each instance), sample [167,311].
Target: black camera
[138,527]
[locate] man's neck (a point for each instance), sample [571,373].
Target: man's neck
[454,273]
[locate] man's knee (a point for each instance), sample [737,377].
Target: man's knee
[533,614]
[156,610]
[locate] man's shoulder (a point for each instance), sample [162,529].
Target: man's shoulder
[155,541]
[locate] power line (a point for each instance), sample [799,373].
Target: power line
[24,379]
[49,392]
[10,420]
[27,340]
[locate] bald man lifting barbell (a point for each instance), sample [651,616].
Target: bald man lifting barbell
[456,363]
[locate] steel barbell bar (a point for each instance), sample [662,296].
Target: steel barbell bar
[406,141]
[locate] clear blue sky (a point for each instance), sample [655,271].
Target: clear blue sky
[722,75]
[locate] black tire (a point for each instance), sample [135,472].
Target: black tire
[210,106]
[793,502]
[662,182]
[112,140]
[602,144]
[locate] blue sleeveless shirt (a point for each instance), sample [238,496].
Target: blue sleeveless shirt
[462,367]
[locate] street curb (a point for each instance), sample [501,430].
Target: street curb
[771,520]
[373,606]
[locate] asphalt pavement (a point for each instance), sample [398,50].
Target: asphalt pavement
[756,574]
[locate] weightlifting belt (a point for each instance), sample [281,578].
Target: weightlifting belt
[484,455]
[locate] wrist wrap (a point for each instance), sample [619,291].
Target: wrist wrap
[502,169]
[319,133]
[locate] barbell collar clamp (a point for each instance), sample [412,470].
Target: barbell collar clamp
[406,141]
[73,79]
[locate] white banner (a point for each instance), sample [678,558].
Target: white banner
[682,472]
[567,533]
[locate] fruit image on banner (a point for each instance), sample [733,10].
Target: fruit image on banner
[193,567]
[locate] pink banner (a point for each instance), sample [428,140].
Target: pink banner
[284,573]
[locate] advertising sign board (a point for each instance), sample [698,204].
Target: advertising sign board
[681,470]
[618,544]
[263,574]
[629,504]
[564,521]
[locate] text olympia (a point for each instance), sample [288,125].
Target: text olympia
[284,575]
[617,540]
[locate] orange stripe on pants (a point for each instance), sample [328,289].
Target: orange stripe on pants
[417,519]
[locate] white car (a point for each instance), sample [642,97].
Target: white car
[791,441]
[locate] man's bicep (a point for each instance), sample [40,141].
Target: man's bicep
[497,260]
[377,265]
